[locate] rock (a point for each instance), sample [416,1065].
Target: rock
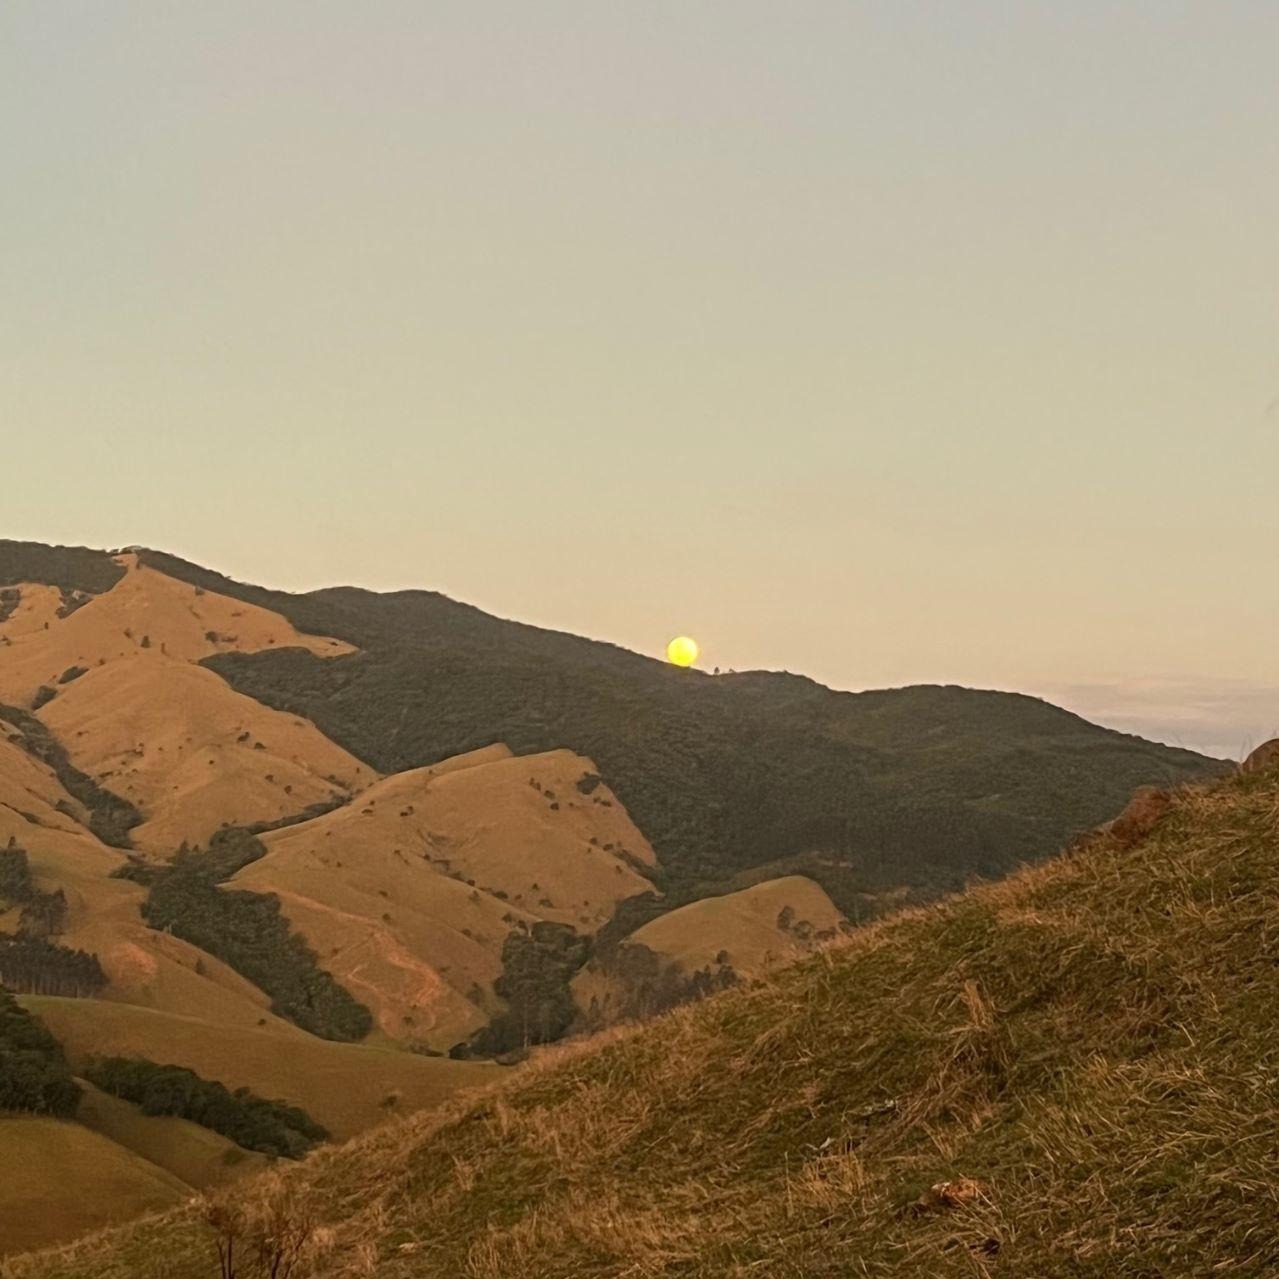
[947,1195]
[1263,759]
[1145,810]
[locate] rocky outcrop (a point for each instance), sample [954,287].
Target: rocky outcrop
[1144,812]
[1264,758]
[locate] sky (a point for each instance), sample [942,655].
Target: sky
[890,342]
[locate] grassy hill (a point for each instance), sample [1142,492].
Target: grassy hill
[346,1087]
[734,775]
[1071,1073]
[731,778]
[72,1180]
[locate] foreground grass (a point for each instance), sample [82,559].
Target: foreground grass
[1090,1048]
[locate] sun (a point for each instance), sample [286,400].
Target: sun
[682,651]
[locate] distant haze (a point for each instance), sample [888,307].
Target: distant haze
[891,343]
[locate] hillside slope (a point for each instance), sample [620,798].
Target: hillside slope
[1072,1073]
[410,893]
[867,793]
[705,946]
[72,1180]
[879,797]
[346,1087]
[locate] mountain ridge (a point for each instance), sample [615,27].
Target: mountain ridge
[727,774]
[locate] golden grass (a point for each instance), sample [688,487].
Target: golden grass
[409,893]
[747,927]
[59,1179]
[190,753]
[196,1156]
[1072,1073]
[145,613]
[346,1087]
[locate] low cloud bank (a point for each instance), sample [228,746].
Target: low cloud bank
[1224,718]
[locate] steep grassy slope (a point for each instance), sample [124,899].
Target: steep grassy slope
[1070,1074]
[113,682]
[111,1164]
[192,754]
[867,793]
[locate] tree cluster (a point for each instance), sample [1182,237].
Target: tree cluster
[111,818]
[537,969]
[31,961]
[651,985]
[42,915]
[271,1127]
[74,570]
[34,1075]
[34,966]
[247,931]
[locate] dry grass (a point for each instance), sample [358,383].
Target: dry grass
[410,893]
[59,1179]
[346,1087]
[1087,1054]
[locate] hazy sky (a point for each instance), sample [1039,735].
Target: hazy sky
[888,342]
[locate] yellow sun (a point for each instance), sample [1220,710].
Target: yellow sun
[682,651]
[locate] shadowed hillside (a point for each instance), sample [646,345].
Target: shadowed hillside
[1071,1073]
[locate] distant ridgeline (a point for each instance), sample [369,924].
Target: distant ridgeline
[76,571]
[732,778]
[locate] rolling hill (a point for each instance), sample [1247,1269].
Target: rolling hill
[307,845]
[1072,1073]
[867,793]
